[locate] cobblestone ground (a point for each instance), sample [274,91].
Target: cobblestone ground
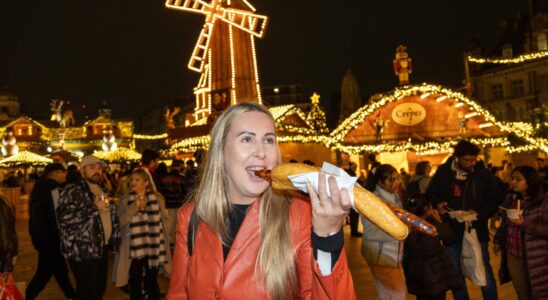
[363,281]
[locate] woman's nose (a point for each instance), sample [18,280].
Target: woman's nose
[260,151]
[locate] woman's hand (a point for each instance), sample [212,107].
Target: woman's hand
[328,214]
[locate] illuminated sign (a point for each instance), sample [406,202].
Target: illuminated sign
[408,114]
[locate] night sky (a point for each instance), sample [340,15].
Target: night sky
[133,54]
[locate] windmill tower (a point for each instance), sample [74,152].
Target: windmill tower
[225,53]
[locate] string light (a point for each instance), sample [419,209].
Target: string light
[161,136]
[248,21]
[380,100]
[232,67]
[469,115]
[25,158]
[520,59]
[121,154]
[440,99]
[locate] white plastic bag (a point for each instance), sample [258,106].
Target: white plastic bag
[471,259]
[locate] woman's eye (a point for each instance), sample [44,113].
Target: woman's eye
[270,140]
[246,139]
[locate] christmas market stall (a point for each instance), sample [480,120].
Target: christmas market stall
[23,159]
[423,122]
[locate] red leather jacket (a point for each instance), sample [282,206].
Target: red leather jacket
[205,275]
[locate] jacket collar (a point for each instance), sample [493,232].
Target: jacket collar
[248,233]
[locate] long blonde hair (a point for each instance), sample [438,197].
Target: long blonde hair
[276,256]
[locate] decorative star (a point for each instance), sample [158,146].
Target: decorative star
[315,98]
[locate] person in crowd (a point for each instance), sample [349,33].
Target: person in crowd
[429,271]
[503,188]
[524,239]
[73,174]
[8,236]
[240,239]
[505,174]
[192,178]
[44,233]
[144,248]
[463,183]
[353,216]
[404,179]
[418,183]
[541,168]
[122,188]
[173,189]
[373,162]
[382,252]
[149,161]
[88,229]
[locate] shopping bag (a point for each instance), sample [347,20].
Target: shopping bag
[471,259]
[8,290]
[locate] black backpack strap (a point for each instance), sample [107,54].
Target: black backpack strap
[191,235]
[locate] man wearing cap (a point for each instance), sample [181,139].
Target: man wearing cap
[45,234]
[88,228]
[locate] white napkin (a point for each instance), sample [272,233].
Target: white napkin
[343,180]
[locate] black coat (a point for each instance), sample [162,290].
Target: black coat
[428,268]
[481,194]
[42,223]
[8,236]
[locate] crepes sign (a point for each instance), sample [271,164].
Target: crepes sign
[408,114]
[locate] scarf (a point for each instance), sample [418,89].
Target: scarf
[460,174]
[147,233]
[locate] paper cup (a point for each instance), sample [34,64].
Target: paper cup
[514,214]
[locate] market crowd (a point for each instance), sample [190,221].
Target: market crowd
[218,231]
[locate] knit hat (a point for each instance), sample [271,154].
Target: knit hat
[90,160]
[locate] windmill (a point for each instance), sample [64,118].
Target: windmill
[225,52]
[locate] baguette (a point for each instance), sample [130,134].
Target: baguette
[367,204]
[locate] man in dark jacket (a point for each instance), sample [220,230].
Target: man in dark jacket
[8,236]
[88,229]
[463,183]
[45,234]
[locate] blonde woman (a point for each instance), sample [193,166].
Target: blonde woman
[250,242]
[144,247]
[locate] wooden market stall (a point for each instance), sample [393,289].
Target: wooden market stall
[423,122]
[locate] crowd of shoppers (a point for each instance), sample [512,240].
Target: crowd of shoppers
[220,231]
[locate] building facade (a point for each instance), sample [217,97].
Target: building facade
[512,86]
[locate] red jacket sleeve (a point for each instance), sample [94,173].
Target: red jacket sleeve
[177,284]
[314,285]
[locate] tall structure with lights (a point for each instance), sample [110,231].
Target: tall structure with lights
[225,53]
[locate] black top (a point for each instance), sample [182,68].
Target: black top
[236,218]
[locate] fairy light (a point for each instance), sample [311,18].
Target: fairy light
[255,70]
[505,61]
[380,100]
[245,20]
[470,115]
[150,137]
[485,125]
[335,141]
[424,96]
[121,154]
[232,66]
[460,104]
[440,99]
